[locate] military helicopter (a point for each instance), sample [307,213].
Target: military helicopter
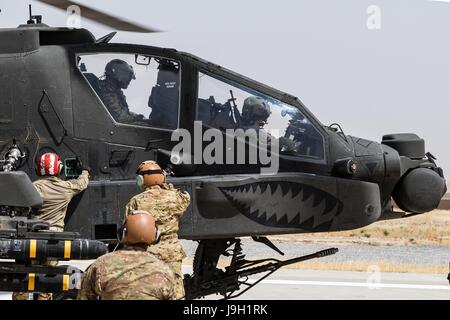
[53,99]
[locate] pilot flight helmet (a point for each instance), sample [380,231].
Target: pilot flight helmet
[255,110]
[120,71]
[149,173]
[49,164]
[139,228]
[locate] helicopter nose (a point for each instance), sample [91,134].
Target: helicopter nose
[424,182]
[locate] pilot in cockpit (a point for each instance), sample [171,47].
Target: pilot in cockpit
[118,75]
[255,115]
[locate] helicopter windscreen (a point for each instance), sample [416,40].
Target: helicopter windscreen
[135,89]
[225,104]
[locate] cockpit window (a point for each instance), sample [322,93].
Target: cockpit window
[136,89]
[224,104]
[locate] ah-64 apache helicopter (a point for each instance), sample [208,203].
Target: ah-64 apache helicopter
[52,100]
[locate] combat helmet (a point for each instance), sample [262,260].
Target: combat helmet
[49,164]
[255,110]
[149,173]
[140,228]
[120,72]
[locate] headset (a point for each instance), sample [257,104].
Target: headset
[122,231]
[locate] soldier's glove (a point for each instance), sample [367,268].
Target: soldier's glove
[84,167]
[185,193]
[286,144]
[87,168]
[169,170]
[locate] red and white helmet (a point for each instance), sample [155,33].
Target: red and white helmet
[49,164]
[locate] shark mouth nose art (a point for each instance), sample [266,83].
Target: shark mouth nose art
[285,204]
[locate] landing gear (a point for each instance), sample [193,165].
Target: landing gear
[208,279]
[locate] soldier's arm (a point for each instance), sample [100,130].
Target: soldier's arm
[184,199]
[164,286]
[111,101]
[87,290]
[126,116]
[79,184]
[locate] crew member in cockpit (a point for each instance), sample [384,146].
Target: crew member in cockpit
[254,115]
[118,75]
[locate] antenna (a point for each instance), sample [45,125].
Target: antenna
[33,18]
[30,21]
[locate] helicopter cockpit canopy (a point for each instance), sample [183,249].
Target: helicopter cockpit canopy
[151,96]
[221,105]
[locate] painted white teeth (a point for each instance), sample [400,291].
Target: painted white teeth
[264,202]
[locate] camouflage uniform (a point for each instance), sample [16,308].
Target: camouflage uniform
[56,194]
[116,102]
[166,204]
[31,296]
[128,274]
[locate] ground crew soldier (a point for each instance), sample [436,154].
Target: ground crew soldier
[55,192]
[56,195]
[166,204]
[131,273]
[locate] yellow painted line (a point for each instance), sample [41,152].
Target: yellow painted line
[32,248]
[66,282]
[31,281]
[67,246]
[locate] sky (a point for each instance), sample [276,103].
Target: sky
[376,67]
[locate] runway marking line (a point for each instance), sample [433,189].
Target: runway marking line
[354,284]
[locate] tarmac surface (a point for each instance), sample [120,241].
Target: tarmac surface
[296,284]
[290,284]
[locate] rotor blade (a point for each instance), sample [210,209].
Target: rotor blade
[99,16]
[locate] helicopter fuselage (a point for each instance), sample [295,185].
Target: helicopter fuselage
[49,103]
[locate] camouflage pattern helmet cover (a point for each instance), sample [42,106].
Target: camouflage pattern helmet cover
[255,109]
